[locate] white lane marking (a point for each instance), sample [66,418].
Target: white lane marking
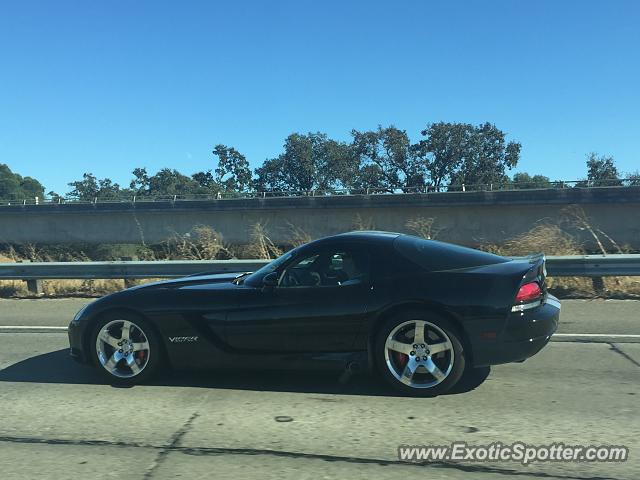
[591,335]
[24,328]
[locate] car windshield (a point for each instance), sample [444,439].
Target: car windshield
[256,277]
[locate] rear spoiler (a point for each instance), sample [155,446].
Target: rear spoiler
[517,267]
[533,258]
[537,271]
[538,262]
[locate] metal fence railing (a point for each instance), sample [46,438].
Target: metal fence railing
[122,269]
[593,265]
[426,189]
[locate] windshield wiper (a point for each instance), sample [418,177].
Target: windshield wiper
[240,277]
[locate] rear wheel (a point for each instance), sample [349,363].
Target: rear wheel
[125,349]
[420,353]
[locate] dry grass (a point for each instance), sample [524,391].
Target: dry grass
[549,239]
[62,288]
[298,235]
[69,288]
[11,288]
[575,218]
[579,287]
[36,253]
[423,227]
[201,243]
[261,245]
[360,223]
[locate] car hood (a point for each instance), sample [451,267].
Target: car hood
[222,278]
[123,298]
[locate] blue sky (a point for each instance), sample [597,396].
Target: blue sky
[107,86]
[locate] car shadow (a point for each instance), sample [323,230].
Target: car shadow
[57,367]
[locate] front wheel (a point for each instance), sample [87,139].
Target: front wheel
[125,349]
[419,354]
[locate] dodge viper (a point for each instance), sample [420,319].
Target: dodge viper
[414,312]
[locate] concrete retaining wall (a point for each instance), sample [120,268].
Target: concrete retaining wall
[468,218]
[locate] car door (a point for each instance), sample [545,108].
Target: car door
[316,307]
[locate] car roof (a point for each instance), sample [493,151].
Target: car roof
[368,236]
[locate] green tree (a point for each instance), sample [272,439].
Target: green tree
[55,197]
[140,183]
[309,162]
[386,160]
[31,187]
[487,157]
[167,183]
[171,182]
[342,164]
[233,173]
[9,184]
[634,179]
[443,150]
[16,187]
[207,181]
[602,171]
[90,188]
[523,180]
[270,177]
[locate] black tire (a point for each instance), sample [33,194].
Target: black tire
[155,352]
[457,355]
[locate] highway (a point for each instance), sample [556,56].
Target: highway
[58,421]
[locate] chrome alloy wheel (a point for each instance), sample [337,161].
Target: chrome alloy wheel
[122,348]
[419,354]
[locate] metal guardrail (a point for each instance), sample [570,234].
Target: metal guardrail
[557,266]
[122,269]
[593,265]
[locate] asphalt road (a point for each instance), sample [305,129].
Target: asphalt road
[58,421]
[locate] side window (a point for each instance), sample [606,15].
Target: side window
[303,273]
[348,267]
[330,268]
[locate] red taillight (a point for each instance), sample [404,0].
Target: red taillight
[528,293]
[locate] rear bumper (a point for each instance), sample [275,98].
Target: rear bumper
[524,335]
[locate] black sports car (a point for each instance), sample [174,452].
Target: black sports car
[414,311]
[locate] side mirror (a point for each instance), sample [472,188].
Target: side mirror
[270,279]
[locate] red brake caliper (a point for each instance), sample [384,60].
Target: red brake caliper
[400,358]
[140,356]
